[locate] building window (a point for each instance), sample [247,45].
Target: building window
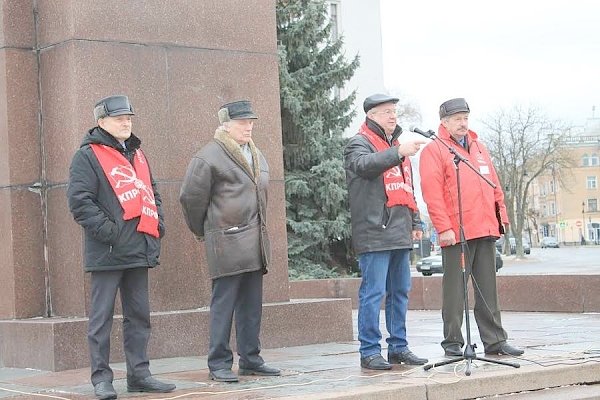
[590,160]
[592,182]
[592,205]
[552,208]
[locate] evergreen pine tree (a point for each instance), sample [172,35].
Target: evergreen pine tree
[312,66]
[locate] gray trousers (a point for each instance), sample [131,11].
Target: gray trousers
[133,287]
[480,261]
[239,295]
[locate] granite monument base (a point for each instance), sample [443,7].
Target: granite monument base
[57,344]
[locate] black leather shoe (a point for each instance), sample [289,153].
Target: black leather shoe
[150,385]
[105,391]
[262,370]
[376,361]
[407,357]
[223,375]
[453,350]
[504,349]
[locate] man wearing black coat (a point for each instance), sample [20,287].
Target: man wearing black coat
[385,221]
[112,195]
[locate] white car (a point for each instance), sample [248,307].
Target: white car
[549,241]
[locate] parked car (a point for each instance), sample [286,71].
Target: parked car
[430,265]
[549,241]
[513,245]
[433,264]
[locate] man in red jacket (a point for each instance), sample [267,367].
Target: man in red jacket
[480,203]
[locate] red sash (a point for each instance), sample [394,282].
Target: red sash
[131,185]
[397,180]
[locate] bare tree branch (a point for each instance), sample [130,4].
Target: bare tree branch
[524,144]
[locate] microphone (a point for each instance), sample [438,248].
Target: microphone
[427,134]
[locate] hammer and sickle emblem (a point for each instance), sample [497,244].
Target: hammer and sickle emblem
[124,175]
[393,172]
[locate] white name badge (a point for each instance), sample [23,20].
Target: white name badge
[484,169]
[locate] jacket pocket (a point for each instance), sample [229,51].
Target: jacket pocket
[234,250]
[97,253]
[385,217]
[109,230]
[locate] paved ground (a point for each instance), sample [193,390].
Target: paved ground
[566,260]
[562,361]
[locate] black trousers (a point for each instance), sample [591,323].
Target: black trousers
[239,295]
[480,261]
[133,287]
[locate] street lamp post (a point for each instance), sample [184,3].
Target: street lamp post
[555,190]
[529,230]
[583,222]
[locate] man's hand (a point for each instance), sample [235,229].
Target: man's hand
[447,238]
[417,235]
[410,148]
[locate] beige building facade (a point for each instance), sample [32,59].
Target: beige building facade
[563,203]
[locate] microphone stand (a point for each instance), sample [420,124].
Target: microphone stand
[469,354]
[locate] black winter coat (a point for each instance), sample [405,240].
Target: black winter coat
[111,243]
[375,227]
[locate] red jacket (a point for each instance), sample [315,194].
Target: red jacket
[440,192]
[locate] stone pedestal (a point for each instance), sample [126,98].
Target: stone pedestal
[177,62]
[57,344]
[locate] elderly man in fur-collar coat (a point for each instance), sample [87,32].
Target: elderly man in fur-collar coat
[224,200]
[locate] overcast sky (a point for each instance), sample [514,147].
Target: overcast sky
[495,54]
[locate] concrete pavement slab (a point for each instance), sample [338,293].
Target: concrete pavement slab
[562,350]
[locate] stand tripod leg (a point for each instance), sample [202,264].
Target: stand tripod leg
[469,360]
[468,355]
[491,360]
[446,362]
